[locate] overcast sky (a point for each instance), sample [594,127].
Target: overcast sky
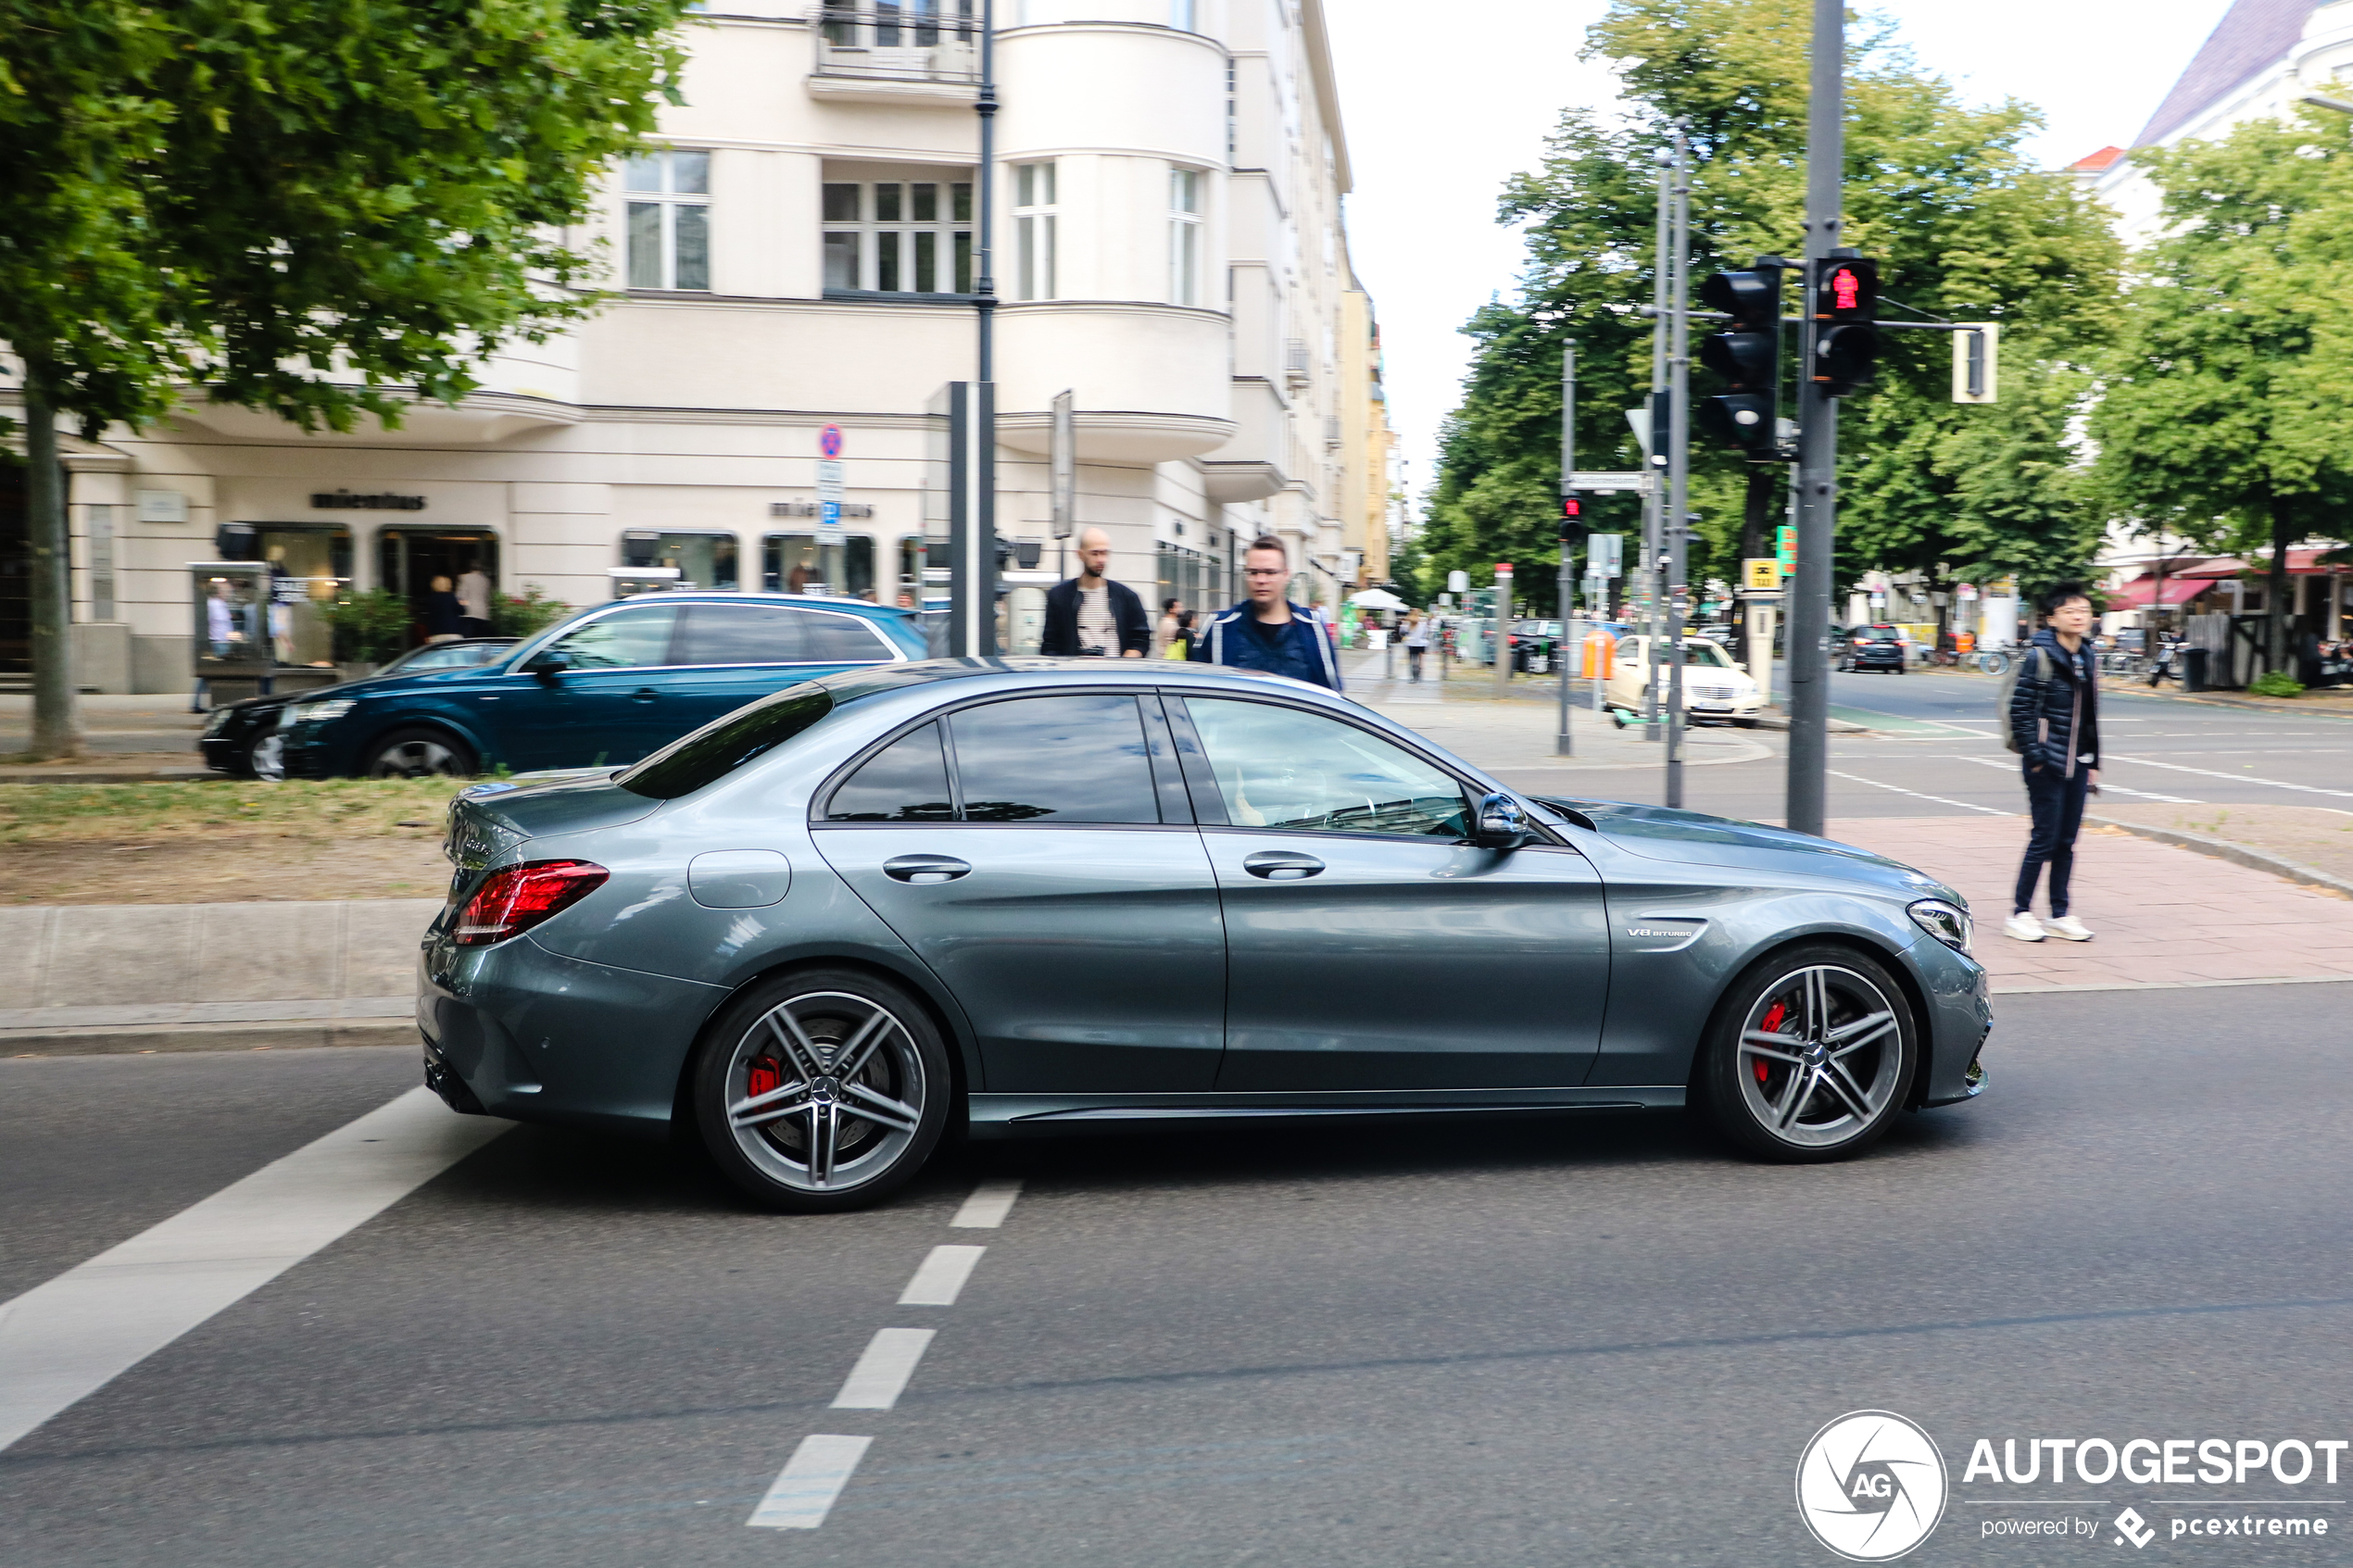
[1438,115]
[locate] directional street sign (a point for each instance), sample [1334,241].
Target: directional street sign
[1604,482]
[829,528]
[1603,555]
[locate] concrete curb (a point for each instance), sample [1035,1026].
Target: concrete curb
[1837,726]
[2223,850]
[278,1034]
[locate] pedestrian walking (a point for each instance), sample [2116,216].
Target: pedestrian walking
[1180,642]
[1172,614]
[1416,645]
[1266,631]
[2054,728]
[442,618]
[474,602]
[1089,616]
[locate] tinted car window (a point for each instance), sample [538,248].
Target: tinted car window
[905,781]
[838,639]
[1054,759]
[713,752]
[741,634]
[623,640]
[1280,767]
[448,656]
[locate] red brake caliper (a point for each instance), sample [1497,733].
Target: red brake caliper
[1771,1025]
[764,1076]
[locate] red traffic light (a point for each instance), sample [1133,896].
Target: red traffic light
[1572,506]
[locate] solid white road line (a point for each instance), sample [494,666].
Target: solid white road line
[941,1277]
[2242,778]
[881,1375]
[988,1206]
[804,1492]
[62,1341]
[1916,794]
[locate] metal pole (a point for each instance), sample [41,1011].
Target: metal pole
[1562,747]
[1654,497]
[1503,638]
[985,307]
[1809,599]
[1678,461]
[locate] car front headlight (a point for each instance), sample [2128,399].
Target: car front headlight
[219,721]
[320,712]
[1949,923]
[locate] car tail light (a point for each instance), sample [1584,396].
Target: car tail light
[515,899]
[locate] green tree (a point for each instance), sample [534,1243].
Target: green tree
[2223,415]
[322,208]
[1964,228]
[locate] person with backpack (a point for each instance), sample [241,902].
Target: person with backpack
[2052,708]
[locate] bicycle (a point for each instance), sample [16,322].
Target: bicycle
[1993,661]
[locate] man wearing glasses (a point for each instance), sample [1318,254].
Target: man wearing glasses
[1266,631]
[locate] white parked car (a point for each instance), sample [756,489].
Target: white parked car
[1714,686]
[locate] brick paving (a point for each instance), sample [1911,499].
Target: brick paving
[2164,916]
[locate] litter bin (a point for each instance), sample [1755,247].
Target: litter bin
[2194,669]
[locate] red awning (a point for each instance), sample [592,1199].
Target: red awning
[2135,594]
[2303,560]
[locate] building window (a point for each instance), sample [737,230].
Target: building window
[703,561]
[899,236]
[1033,231]
[1180,14]
[669,221]
[1184,236]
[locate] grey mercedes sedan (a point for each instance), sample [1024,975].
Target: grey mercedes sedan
[1016,894]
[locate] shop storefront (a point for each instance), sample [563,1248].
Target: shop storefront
[706,559]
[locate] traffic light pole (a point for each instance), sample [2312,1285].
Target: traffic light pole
[1676,532]
[1654,495]
[1809,602]
[1562,745]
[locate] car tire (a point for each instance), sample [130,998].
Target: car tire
[796,1143]
[1847,1072]
[265,758]
[417,753]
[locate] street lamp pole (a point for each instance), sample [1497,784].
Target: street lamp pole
[984,413]
[1562,745]
[1676,533]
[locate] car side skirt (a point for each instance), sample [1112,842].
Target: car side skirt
[1002,1115]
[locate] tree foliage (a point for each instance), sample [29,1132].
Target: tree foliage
[1938,191]
[2222,416]
[258,197]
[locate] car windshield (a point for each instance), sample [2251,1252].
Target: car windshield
[702,758]
[1706,654]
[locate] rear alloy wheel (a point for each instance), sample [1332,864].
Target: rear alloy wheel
[823,1091]
[1811,1057]
[418,754]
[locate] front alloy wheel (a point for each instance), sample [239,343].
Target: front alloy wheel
[823,1091]
[1812,1057]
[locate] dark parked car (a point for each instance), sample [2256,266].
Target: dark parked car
[245,739]
[1023,894]
[1879,647]
[607,686]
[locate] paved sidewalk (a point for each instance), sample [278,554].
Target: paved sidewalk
[2165,916]
[2318,837]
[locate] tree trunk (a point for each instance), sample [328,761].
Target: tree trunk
[2277,653]
[56,717]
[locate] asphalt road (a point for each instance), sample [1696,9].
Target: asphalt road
[1934,749]
[1595,1340]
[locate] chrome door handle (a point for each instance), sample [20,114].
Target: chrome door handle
[922,869]
[645,694]
[1281,865]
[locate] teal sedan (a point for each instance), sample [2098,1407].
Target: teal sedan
[609,686]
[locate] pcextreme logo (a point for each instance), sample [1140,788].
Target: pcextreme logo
[1871,1485]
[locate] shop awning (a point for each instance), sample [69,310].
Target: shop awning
[2135,594]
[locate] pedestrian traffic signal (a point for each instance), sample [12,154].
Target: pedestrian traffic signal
[1747,354]
[1846,342]
[1573,523]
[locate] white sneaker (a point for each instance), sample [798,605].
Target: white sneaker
[2024,926]
[2070,927]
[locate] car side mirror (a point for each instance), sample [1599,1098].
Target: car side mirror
[547,661]
[1501,825]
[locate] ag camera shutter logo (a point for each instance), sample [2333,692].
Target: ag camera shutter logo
[1871,1485]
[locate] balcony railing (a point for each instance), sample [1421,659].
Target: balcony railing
[909,41]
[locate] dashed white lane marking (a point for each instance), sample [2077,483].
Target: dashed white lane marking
[804,1491]
[881,1375]
[941,1278]
[2105,785]
[988,1206]
[64,1340]
[1916,795]
[2242,778]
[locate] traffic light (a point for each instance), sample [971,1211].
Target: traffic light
[1574,527]
[1747,354]
[1847,343]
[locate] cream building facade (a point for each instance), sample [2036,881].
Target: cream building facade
[797,254]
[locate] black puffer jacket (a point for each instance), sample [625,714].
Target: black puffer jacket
[2054,712]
